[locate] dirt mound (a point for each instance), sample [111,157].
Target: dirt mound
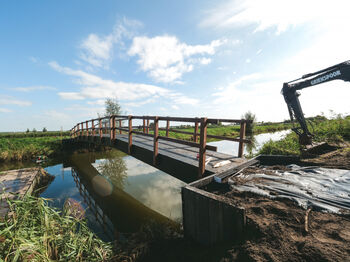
[277,231]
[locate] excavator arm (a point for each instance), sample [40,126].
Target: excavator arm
[289,91]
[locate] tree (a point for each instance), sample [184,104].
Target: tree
[27,130]
[34,130]
[249,116]
[44,129]
[112,107]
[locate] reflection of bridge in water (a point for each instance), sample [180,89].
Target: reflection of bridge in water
[187,160]
[107,201]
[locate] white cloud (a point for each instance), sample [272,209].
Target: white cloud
[175,107]
[276,14]
[96,88]
[166,59]
[33,88]
[9,100]
[98,50]
[5,110]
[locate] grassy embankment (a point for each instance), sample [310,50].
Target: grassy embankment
[332,131]
[26,146]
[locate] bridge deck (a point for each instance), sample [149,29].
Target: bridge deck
[174,158]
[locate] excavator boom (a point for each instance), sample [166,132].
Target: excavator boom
[289,91]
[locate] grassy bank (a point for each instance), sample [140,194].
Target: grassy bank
[34,134]
[27,148]
[331,131]
[37,232]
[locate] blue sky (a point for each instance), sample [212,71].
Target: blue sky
[61,59]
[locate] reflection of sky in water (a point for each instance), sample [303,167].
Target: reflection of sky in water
[152,187]
[231,148]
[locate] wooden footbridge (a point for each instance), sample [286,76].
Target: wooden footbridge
[153,144]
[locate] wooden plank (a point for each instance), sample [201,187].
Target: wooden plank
[241,137]
[155,141]
[176,131]
[142,134]
[216,223]
[202,147]
[130,134]
[202,219]
[188,210]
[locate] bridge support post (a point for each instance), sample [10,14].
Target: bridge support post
[82,129]
[144,125]
[130,134]
[111,130]
[202,147]
[167,128]
[120,126]
[147,126]
[241,137]
[155,140]
[93,128]
[87,128]
[195,135]
[100,128]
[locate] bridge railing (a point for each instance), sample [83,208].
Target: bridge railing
[110,126]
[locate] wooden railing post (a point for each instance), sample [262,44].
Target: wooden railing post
[130,134]
[100,127]
[202,147]
[82,129]
[241,137]
[87,128]
[144,125]
[120,126]
[195,135]
[111,129]
[155,140]
[147,129]
[93,127]
[167,128]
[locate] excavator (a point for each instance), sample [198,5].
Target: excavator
[291,95]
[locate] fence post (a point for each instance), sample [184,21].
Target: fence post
[202,147]
[144,125]
[100,127]
[155,140]
[82,128]
[130,134]
[87,128]
[111,130]
[241,137]
[147,129]
[167,128]
[120,126]
[195,135]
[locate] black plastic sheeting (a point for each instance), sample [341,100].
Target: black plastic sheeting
[320,188]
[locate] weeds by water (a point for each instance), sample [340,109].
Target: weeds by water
[332,131]
[37,232]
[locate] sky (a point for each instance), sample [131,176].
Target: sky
[60,60]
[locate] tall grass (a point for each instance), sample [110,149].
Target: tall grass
[332,131]
[37,232]
[17,149]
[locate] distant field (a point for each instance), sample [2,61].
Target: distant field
[33,134]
